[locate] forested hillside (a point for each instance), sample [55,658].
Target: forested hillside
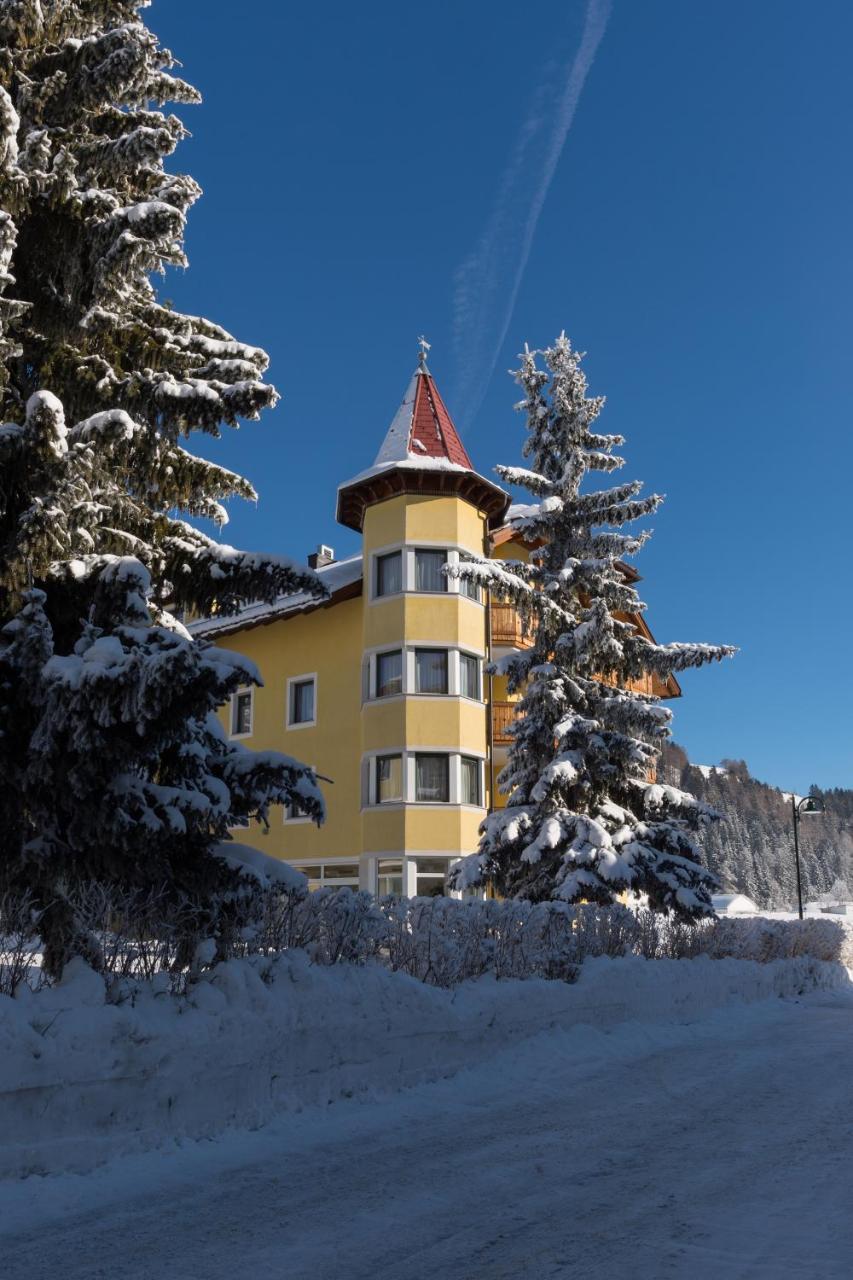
[752,849]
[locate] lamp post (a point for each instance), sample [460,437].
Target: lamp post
[806,804]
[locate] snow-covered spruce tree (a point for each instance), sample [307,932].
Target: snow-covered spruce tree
[583,821]
[112,761]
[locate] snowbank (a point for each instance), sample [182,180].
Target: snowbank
[82,1080]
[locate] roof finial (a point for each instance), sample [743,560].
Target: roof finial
[424,346]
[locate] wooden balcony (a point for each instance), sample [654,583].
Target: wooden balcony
[503,714]
[507,628]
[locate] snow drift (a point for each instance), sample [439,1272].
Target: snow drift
[82,1080]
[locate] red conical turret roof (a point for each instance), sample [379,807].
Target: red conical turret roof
[422,427]
[422,453]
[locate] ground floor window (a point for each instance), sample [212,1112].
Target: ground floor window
[432,877]
[335,875]
[389,877]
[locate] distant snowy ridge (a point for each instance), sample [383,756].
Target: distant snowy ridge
[707,769]
[752,849]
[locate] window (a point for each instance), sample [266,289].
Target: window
[241,713]
[389,878]
[302,702]
[389,574]
[469,586]
[431,671]
[334,874]
[314,874]
[295,813]
[432,877]
[340,872]
[469,676]
[470,781]
[389,674]
[432,779]
[389,779]
[428,575]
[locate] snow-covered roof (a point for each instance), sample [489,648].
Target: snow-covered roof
[421,452]
[422,429]
[733,904]
[421,436]
[334,577]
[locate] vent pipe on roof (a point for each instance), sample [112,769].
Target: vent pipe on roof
[322,556]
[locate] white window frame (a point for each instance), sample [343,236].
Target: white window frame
[453,554]
[373,783]
[303,679]
[375,556]
[232,712]
[479,599]
[296,821]
[434,755]
[466,804]
[448,681]
[454,674]
[443,550]
[373,675]
[466,653]
[349,882]
[408,755]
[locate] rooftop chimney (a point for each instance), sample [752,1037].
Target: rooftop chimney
[322,556]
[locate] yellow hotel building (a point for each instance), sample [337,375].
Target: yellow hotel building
[381,687]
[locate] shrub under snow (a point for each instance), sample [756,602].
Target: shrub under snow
[438,941]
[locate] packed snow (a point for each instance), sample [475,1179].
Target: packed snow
[82,1078]
[607,1130]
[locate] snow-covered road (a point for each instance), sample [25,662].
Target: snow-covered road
[721,1149]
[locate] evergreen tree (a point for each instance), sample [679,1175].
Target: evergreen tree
[583,821]
[112,760]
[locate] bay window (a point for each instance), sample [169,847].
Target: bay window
[389,779]
[430,671]
[469,676]
[389,574]
[470,781]
[389,674]
[428,566]
[432,779]
[469,587]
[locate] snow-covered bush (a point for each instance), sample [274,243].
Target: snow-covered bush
[441,942]
[20,945]
[757,938]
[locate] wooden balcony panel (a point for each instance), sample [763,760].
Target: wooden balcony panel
[507,628]
[503,714]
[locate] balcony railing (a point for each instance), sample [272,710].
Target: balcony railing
[503,714]
[507,628]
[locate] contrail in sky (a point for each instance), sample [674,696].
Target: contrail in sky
[488,281]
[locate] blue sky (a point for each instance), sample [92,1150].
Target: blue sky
[693,237]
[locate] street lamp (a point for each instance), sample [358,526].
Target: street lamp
[806,804]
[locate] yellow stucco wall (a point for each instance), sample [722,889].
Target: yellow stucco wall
[326,641]
[331,642]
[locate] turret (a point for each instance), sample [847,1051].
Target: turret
[424,718]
